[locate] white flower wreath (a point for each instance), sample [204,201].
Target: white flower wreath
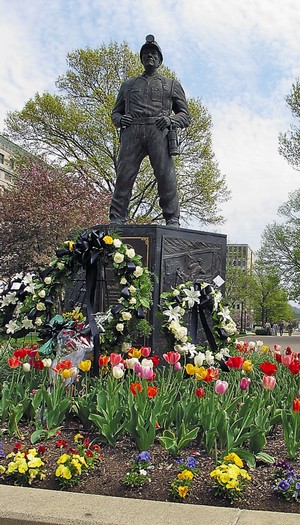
[175,306]
[26,303]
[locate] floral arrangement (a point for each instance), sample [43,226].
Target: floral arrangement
[287,482]
[230,478]
[181,485]
[28,300]
[178,303]
[76,460]
[139,472]
[25,465]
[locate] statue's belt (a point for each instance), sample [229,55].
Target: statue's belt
[144,120]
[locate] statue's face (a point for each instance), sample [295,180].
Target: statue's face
[150,58]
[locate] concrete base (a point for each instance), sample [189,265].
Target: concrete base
[26,506]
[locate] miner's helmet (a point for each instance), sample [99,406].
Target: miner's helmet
[150,42]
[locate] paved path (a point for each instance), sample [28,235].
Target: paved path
[293,341]
[26,506]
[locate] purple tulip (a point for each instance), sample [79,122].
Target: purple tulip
[245,383]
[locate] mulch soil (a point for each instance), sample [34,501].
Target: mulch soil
[106,478]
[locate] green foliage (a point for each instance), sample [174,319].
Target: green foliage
[282,239]
[289,142]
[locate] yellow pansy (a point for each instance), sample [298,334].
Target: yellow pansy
[63,471]
[185,474]
[233,457]
[182,491]
[77,437]
[70,245]
[35,463]
[63,458]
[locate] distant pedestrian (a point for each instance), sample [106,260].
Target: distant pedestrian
[281,327]
[274,329]
[268,328]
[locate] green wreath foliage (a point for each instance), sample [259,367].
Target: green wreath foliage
[29,302]
[176,307]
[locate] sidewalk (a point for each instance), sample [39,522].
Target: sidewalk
[26,506]
[285,340]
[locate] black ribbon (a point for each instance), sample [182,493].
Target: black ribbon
[199,310]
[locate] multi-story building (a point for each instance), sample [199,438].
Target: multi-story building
[241,256]
[8,152]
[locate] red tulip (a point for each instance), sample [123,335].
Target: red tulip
[145,351]
[103,360]
[200,392]
[171,357]
[235,362]
[268,368]
[154,359]
[152,391]
[294,367]
[211,374]
[20,352]
[296,404]
[14,362]
[135,388]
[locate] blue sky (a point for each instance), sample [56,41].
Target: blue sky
[239,58]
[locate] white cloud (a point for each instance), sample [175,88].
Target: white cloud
[240,58]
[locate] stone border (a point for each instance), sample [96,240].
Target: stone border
[26,506]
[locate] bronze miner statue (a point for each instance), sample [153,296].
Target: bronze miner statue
[148,110]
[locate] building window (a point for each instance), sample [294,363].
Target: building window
[1,158]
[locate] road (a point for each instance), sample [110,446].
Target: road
[285,340]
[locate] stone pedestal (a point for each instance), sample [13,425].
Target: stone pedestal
[173,255]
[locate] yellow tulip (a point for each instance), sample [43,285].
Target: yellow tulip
[85,366]
[190,369]
[247,366]
[66,373]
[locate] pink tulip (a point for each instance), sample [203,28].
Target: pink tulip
[221,387]
[269,382]
[245,383]
[115,359]
[146,372]
[177,366]
[286,360]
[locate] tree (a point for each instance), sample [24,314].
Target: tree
[281,242]
[289,142]
[270,298]
[238,294]
[74,129]
[41,210]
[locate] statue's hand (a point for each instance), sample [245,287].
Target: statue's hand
[126,120]
[163,122]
